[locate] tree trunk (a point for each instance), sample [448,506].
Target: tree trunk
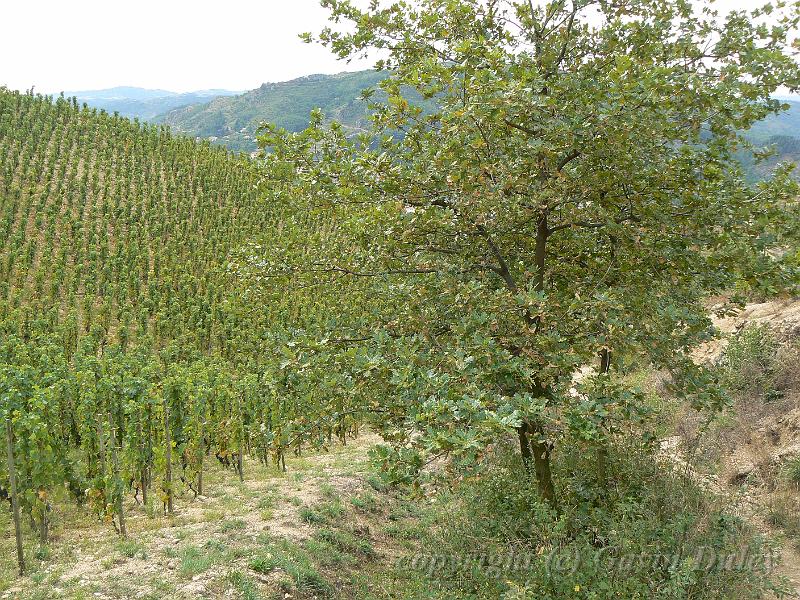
[148,460]
[541,462]
[602,449]
[101,444]
[536,456]
[605,360]
[525,448]
[44,526]
[12,479]
[241,442]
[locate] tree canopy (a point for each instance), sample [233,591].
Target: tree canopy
[573,197]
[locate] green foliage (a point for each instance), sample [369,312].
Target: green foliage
[652,535]
[572,201]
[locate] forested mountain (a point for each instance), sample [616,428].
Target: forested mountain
[233,121]
[780,132]
[786,123]
[141,103]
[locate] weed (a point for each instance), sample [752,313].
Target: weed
[232,525]
[131,548]
[365,502]
[244,585]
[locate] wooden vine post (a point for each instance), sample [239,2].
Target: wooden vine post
[202,451]
[112,433]
[143,465]
[12,478]
[168,441]
[241,440]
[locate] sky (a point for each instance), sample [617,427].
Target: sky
[176,45]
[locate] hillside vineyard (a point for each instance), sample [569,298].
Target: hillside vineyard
[116,224]
[123,365]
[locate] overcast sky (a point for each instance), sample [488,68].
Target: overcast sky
[177,45]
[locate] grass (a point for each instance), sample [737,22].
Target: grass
[195,560]
[132,549]
[322,512]
[792,471]
[366,502]
[405,531]
[750,363]
[200,538]
[266,504]
[244,585]
[346,542]
[784,513]
[296,563]
[376,483]
[351,536]
[232,525]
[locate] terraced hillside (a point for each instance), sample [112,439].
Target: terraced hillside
[111,223]
[128,359]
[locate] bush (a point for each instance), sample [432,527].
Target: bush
[648,534]
[793,471]
[748,364]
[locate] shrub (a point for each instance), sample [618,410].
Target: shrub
[793,471]
[748,364]
[648,534]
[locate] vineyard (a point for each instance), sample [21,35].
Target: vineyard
[127,362]
[506,276]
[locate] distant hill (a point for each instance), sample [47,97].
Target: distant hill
[787,123]
[782,132]
[233,121]
[141,103]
